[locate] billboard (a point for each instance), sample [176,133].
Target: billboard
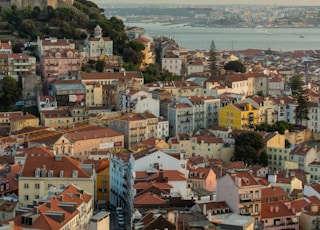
[76,97]
[107,145]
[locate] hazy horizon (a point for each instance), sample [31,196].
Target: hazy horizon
[210,2]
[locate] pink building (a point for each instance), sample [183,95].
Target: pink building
[242,192]
[202,178]
[60,63]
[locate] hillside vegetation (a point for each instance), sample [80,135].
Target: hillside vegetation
[64,22]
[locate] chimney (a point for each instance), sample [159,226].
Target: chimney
[48,204]
[314,208]
[205,209]
[271,208]
[161,176]
[276,208]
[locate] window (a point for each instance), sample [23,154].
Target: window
[26,186]
[37,186]
[26,197]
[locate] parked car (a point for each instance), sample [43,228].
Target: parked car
[119,210]
[121,223]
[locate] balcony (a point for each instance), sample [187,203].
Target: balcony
[248,197]
[246,211]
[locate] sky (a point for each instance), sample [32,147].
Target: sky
[212,2]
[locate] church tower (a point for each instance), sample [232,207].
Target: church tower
[97,32]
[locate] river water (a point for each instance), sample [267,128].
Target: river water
[280,39]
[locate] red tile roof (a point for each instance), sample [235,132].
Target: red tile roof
[148,198]
[43,219]
[57,164]
[144,185]
[274,210]
[92,133]
[273,192]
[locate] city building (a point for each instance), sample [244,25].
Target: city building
[53,43]
[40,173]
[148,56]
[276,215]
[98,46]
[46,102]
[94,94]
[26,120]
[56,118]
[135,128]
[244,193]
[80,143]
[60,64]
[19,64]
[70,208]
[68,92]
[239,116]
[122,180]
[202,178]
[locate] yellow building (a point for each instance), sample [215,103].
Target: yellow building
[239,116]
[27,120]
[93,94]
[56,118]
[148,56]
[103,180]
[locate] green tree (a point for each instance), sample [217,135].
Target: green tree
[299,93]
[10,92]
[213,57]
[263,159]
[296,84]
[100,65]
[132,54]
[152,73]
[248,147]
[302,107]
[236,66]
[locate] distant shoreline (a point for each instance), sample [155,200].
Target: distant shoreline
[220,26]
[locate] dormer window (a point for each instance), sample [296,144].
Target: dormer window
[37,172]
[50,173]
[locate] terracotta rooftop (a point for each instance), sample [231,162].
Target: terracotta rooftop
[93,133]
[273,192]
[43,218]
[56,164]
[245,177]
[274,210]
[148,198]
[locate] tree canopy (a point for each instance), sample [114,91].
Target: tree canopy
[296,84]
[10,92]
[248,147]
[279,126]
[298,91]
[236,66]
[63,22]
[153,72]
[213,56]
